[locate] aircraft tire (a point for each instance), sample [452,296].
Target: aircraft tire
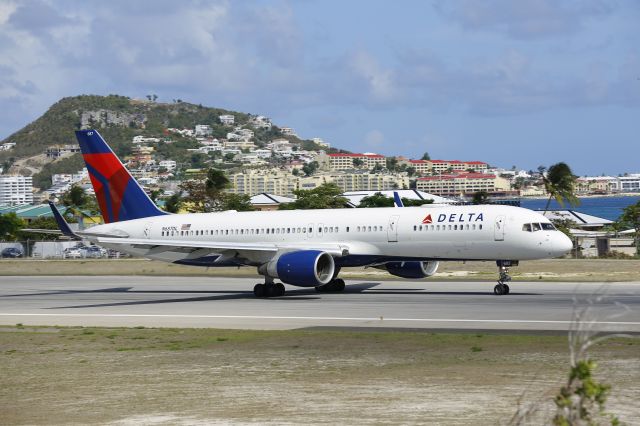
[499,289]
[279,290]
[259,290]
[337,285]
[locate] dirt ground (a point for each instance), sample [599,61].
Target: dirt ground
[176,376]
[585,270]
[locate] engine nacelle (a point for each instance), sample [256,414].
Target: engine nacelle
[304,268]
[412,269]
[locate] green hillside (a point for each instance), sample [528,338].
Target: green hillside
[132,117]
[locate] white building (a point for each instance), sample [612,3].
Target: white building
[141,139]
[629,183]
[182,132]
[7,146]
[320,142]
[262,153]
[16,190]
[227,119]
[288,131]
[262,122]
[203,130]
[168,165]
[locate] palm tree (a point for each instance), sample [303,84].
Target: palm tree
[560,183]
[76,200]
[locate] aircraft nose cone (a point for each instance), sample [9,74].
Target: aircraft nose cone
[562,244]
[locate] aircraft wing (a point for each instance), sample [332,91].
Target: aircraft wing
[42,231]
[251,251]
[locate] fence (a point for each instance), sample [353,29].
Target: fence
[47,249]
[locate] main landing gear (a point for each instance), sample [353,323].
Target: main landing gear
[268,289]
[333,286]
[502,287]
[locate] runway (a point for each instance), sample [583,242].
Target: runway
[132,301]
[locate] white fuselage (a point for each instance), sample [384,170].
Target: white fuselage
[357,236]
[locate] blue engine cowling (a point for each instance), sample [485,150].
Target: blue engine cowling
[304,268]
[412,269]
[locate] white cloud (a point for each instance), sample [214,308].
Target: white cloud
[524,19]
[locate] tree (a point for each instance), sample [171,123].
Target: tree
[376,200]
[10,225]
[380,200]
[205,195]
[239,202]
[559,182]
[480,197]
[325,196]
[216,181]
[425,156]
[76,196]
[358,162]
[631,217]
[78,202]
[310,168]
[411,171]
[173,203]
[392,163]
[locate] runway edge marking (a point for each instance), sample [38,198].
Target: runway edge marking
[251,317]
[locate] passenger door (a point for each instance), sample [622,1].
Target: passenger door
[498,228]
[392,229]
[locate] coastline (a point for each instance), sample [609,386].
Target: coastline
[621,194]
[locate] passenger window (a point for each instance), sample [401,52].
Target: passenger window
[526,227]
[358,229]
[415,227]
[455,227]
[347,229]
[480,226]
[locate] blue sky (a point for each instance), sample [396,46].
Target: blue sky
[524,83]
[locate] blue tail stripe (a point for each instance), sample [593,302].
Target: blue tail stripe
[105,183]
[397,200]
[92,143]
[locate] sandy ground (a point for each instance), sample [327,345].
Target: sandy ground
[586,270]
[177,376]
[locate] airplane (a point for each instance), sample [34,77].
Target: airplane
[308,248]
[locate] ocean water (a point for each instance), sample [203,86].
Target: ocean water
[605,207]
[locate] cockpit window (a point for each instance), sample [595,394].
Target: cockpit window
[533,227]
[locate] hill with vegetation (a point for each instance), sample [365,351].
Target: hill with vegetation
[119,119]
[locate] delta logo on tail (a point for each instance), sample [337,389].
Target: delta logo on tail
[427,219]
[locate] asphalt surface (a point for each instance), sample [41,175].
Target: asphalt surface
[229,303]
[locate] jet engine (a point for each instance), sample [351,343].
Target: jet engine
[304,268]
[412,269]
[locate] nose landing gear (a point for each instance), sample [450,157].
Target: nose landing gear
[502,287]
